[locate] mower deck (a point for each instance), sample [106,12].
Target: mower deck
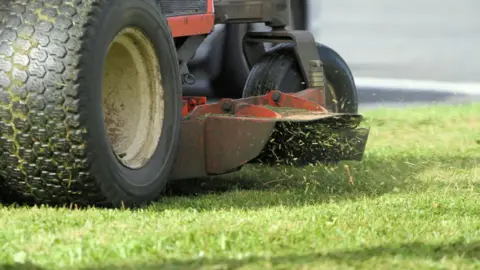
[221,137]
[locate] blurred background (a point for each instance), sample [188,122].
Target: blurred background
[405,51]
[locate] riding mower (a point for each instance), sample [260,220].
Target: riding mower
[100,102]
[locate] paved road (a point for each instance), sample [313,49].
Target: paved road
[388,41]
[414,39]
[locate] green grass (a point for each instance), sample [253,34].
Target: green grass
[412,203]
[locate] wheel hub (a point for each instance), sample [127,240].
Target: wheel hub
[133,103]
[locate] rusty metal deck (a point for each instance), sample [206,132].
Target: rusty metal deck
[221,137]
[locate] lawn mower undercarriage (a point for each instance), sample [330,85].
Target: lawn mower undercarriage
[62,153]
[275,128]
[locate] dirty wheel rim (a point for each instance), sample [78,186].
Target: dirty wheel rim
[132,93]
[335,102]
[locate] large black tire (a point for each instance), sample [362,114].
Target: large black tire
[278,69]
[55,146]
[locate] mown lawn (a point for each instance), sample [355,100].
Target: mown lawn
[413,203]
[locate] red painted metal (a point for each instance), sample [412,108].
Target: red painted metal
[191,25]
[258,106]
[189,103]
[210,8]
[221,137]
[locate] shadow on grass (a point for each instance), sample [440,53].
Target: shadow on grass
[468,252]
[374,176]
[258,186]
[18,266]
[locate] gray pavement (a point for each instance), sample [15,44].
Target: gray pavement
[414,39]
[418,40]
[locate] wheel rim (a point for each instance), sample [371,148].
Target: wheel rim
[335,101]
[133,104]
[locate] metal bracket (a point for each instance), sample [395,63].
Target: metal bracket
[305,50]
[185,53]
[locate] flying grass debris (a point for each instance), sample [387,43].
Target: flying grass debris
[300,144]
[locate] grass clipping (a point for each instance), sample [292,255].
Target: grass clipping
[301,144]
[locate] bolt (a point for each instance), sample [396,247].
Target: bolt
[188,78]
[227,106]
[276,96]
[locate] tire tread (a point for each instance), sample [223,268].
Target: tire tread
[42,141]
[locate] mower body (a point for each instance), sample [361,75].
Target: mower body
[102,103]
[220,138]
